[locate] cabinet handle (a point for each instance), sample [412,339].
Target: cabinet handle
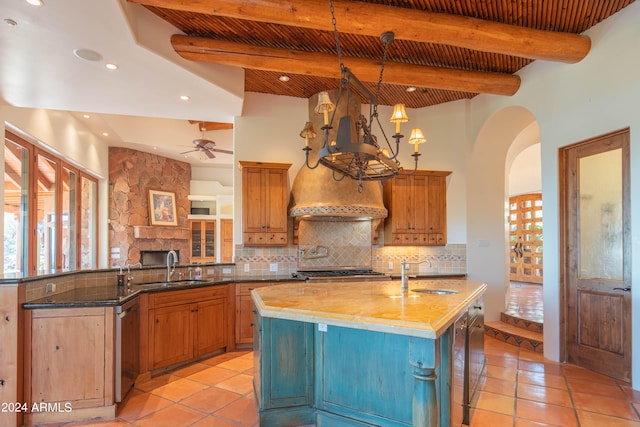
[252,324]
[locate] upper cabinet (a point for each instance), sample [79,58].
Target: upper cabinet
[417,209]
[264,203]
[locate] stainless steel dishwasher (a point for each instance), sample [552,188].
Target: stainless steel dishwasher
[127,360]
[475,353]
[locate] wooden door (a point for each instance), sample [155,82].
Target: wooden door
[596,254]
[210,326]
[525,236]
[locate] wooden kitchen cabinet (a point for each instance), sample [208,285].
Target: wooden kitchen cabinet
[202,240]
[417,209]
[244,312]
[226,240]
[69,359]
[264,203]
[187,324]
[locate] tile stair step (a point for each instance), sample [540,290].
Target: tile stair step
[522,323]
[515,335]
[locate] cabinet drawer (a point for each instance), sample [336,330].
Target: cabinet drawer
[187,296]
[246,288]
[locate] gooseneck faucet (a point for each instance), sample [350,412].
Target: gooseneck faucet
[172,257]
[403,267]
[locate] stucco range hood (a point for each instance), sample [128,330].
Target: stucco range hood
[315,195]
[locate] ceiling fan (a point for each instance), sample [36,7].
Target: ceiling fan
[207,146]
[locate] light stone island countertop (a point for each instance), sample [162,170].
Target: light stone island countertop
[374,306]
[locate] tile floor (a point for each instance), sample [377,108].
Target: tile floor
[521,389]
[524,300]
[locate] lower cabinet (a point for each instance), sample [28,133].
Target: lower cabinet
[69,365]
[187,324]
[244,312]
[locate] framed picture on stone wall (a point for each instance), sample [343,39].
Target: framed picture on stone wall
[162,208]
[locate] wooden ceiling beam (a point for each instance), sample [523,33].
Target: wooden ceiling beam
[407,24]
[325,65]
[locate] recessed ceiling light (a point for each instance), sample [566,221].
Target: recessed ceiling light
[11,22]
[105,133]
[412,89]
[111,66]
[87,54]
[284,78]
[35,2]
[185,97]
[86,116]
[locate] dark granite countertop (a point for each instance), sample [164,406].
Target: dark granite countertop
[112,295]
[432,276]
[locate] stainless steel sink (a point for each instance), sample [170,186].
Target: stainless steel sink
[435,291]
[174,283]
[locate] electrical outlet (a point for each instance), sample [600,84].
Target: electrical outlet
[210,271]
[226,271]
[390,265]
[50,287]
[246,268]
[273,267]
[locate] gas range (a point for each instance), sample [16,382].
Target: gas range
[351,275]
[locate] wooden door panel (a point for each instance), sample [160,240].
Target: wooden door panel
[596,254]
[276,205]
[253,201]
[420,220]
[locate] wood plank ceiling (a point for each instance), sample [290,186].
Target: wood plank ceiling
[447,50]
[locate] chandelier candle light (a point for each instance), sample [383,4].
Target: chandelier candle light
[362,159]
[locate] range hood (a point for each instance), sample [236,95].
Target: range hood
[316,195]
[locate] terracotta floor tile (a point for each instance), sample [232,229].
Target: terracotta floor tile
[502,360]
[190,370]
[237,365]
[574,372]
[241,383]
[495,403]
[604,405]
[212,375]
[211,399]
[538,393]
[243,411]
[545,380]
[592,419]
[632,394]
[482,418]
[501,373]
[546,413]
[179,389]
[586,386]
[540,367]
[94,423]
[172,416]
[155,382]
[216,360]
[142,405]
[495,385]
[213,421]
[528,423]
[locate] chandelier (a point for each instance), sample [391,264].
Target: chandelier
[363,157]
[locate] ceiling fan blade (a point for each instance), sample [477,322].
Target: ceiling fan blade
[218,150]
[190,151]
[209,154]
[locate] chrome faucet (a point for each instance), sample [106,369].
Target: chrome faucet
[129,275]
[171,266]
[404,265]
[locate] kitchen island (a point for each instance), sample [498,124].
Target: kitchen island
[358,353]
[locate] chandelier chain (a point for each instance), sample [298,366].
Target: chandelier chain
[335,35]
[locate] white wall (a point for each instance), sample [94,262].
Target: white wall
[525,173]
[571,103]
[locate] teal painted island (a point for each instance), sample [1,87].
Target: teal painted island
[355,354]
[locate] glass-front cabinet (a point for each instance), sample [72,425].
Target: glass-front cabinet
[203,240]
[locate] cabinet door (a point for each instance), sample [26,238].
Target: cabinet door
[420,220]
[244,320]
[209,240]
[401,204]
[196,239]
[170,335]
[276,206]
[253,200]
[210,326]
[226,240]
[437,209]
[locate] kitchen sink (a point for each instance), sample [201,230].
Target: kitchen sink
[435,291]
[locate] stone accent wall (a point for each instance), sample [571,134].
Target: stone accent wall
[132,174]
